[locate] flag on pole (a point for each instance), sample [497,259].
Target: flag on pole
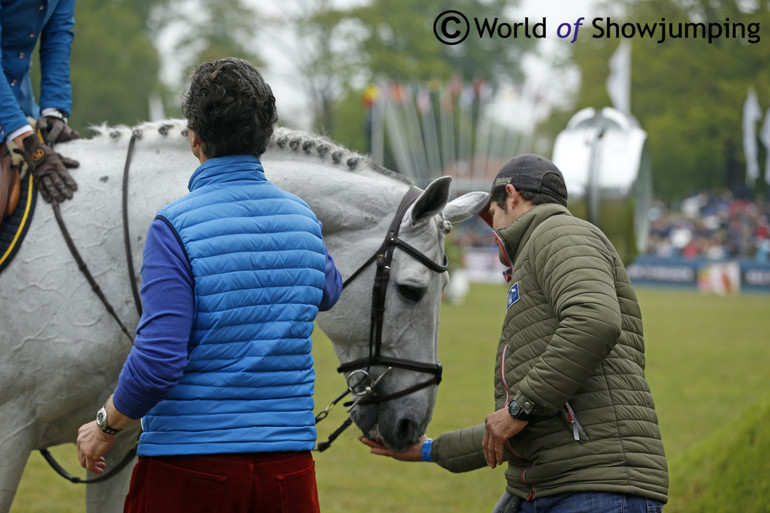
[619,79]
[751,114]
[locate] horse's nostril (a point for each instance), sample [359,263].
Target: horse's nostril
[407,430]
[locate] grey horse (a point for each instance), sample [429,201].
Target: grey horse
[62,352]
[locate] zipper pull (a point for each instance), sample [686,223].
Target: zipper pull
[577,429]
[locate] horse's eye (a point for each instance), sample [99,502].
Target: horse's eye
[411,293]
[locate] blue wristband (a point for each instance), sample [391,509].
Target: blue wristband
[427,447]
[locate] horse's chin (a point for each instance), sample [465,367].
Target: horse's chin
[397,444]
[379,424]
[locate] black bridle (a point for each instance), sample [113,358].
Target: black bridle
[383,258]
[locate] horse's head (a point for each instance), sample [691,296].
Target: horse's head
[389,313]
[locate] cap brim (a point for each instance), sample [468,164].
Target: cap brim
[482,209]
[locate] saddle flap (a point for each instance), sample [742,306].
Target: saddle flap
[10,184]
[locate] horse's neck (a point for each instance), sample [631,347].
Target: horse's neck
[350,204]
[355,206]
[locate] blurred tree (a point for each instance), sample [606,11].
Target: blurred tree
[392,40]
[687,93]
[216,29]
[321,52]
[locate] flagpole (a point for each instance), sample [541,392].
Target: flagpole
[425,106]
[396,135]
[415,138]
[447,129]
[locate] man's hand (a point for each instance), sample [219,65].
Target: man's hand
[499,427]
[56,130]
[413,453]
[93,444]
[49,169]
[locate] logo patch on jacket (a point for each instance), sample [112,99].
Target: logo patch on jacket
[513,294]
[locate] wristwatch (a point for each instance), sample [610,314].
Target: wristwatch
[101,422]
[517,412]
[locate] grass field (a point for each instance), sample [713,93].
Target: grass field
[707,364]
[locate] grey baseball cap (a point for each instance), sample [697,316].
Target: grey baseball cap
[525,173]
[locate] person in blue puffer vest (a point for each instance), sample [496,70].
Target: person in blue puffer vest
[221,372]
[22,24]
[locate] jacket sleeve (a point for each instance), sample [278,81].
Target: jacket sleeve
[11,115]
[332,281]
[159,354]
[460,450]
[576,272]
[55,45]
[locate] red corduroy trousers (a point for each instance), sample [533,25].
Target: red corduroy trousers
[277,482]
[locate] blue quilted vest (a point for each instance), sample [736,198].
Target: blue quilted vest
[257,260]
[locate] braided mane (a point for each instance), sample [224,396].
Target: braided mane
[283,140]
[286,139]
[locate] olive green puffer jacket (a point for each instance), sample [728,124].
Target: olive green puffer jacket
[572,354]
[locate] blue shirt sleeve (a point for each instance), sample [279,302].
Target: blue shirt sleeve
[332,282]
[55,48]
[159,354]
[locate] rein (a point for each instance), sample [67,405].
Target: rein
[383,258]
[98,291]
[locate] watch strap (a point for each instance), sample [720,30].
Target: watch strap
[109,430]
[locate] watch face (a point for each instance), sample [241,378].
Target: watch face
[101,418]
[514,409]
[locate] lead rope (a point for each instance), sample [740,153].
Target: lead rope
[98,291]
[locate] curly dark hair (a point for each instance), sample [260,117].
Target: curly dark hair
[230,107]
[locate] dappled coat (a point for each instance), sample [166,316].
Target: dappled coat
[572,354]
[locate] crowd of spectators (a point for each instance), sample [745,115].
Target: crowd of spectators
[713,225]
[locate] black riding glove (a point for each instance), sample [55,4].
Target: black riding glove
[49,169]
[56,130]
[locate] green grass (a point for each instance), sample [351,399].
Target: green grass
[730,471]
[707,365]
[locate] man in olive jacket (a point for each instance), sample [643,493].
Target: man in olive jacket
[574,418]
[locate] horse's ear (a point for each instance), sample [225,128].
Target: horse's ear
[432,200]
[464,207]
